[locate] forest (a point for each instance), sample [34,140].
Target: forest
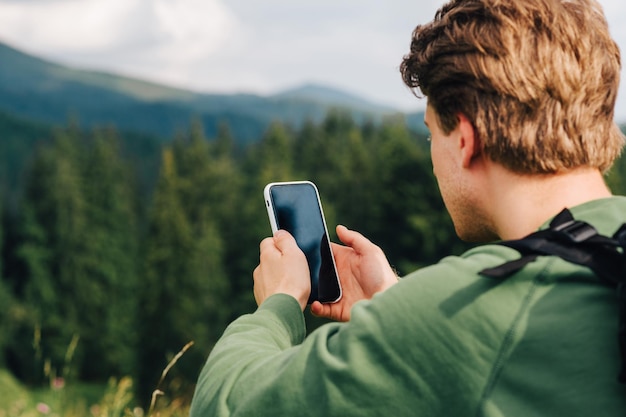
[110,266]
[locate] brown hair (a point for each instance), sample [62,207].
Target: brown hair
[538,80]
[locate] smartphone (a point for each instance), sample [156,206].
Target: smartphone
[296,208]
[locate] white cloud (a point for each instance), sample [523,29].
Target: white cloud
[193,28]
[68,25]
[77,25]
[149,38]
[351,44]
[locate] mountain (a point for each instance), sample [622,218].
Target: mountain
[331,97]
[47,92]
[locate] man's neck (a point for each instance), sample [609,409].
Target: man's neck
[522,203]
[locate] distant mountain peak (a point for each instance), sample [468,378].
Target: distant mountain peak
[330,96]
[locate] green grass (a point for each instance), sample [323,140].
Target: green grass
[63,398]
[114,399]
[11,392]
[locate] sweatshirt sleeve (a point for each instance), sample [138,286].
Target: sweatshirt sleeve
[250,349]
[412,350]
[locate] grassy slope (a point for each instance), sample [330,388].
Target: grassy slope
[11,391]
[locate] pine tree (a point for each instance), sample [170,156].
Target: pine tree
[167,246]
[269,160]
[224,142]
[237,209]
[111,252]
[6,297]
[52,243]
[184,291]
[207,187]
[274,156]
[413,226]
[78,252]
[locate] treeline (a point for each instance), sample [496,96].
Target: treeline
[100,281]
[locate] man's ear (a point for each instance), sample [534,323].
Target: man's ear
[469,143]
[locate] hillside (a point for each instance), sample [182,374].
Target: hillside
[47,92]
[18,139]
[38,96]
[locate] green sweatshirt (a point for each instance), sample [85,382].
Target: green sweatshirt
[444,341]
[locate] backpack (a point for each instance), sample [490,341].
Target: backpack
[580,243]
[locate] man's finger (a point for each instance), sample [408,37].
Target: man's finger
[266,244]
[355,240]
[284,242]
[320,310]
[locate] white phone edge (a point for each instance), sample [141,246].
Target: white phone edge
[270,207]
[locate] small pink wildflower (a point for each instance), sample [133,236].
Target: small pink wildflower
[43,408]
[58,383]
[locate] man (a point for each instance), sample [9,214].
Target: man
[520,110]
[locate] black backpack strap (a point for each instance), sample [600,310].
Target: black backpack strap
[575,241]
[621,334]
[579,243]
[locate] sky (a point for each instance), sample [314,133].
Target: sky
[241,46]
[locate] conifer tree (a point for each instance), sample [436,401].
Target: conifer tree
[269,160]
[184,290]
[323,150]
[2,237]
[224,142]
[412,225]
[207,187]
[6,297]
[236,212]
[333,155]
[111,252]
[78,254]
[274,156]
[167,246]
[52,243]
[615,176]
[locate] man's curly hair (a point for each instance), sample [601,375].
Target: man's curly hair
[538,79]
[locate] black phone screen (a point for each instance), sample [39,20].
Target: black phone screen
[297,210]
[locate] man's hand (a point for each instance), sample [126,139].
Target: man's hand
[283,269]
[363,271]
